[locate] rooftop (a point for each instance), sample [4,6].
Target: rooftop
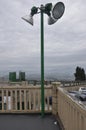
[28,122]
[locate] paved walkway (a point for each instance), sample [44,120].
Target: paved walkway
[27,122]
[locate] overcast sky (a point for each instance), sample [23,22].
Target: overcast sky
[65,41]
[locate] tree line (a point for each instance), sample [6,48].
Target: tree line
[80,74]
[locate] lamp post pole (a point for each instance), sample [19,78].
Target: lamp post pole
[57,13]
[42,62]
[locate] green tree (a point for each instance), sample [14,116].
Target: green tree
[79,74]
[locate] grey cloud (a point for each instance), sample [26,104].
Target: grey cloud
[65,41]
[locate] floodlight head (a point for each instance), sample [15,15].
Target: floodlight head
[51,20]
[56,13]
[48,8]
[28,18]
[34,10]
[58,10]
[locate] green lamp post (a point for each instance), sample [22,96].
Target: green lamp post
[54,13]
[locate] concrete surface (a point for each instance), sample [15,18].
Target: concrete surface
[28,122]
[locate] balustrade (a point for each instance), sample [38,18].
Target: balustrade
[23,99]
[27,99]
[71,113]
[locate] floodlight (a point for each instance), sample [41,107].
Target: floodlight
[34,10]
[58,10]
[56,13]
[48,8]
[28,18]
[51,20]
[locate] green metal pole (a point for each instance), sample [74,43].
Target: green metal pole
[42,63]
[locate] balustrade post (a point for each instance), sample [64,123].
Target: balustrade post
[2,100]
[34,100]
[11,100]
[39,97]
[55,85]
[30,107]
[7,100]
[15,99]
[25,100]
[20,99]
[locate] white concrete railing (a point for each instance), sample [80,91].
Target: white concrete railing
[72,83]
[22,99]
[71,113]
